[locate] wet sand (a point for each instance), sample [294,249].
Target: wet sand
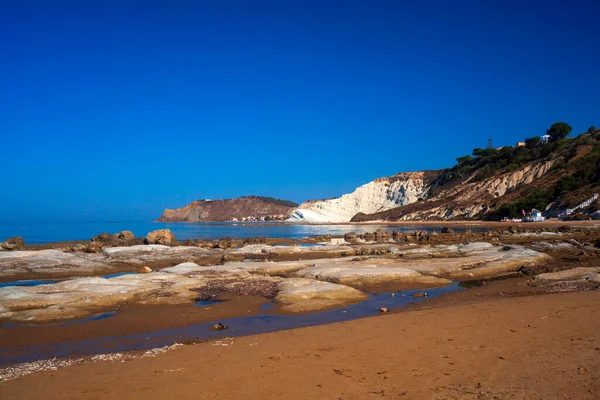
[545,346]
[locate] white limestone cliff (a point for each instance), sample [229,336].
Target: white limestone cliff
[378,195]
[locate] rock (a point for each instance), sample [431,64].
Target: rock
[396,233]
[512,229]
[189,242]
[447,230]
[161,236]
[298,294]
[383,309]
[219,326]
[468,231]
[564,229]
[144,270]
[350,237]
[13,243]
[381,233]
[419,294]
[104,240]
[255,240]
[369,236]
[506,248]
[223,244]
[524,271]
[127,236]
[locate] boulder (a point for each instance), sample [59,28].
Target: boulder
[144,270]
[447,230]
[14,243]
[105,240]
[161,236]
[128,236]
[189,242]
[512,229]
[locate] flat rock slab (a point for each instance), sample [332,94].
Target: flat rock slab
[580,273]
[299,285]
[298,295]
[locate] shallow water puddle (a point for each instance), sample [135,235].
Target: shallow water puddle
[207,303]
[32,282]
[238,326]
[118,274]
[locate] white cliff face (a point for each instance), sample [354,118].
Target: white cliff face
[379,195]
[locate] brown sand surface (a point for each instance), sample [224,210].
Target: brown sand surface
[545,346]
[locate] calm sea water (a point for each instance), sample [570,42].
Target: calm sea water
[44,232]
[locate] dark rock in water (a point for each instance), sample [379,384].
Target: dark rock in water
[219,326]
[420,294]
[512,229]
[350,237]
[161,236]
[507,248]
[447,230]
[396,233]
[13,243]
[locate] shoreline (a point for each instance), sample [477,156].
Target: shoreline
[487,348]
[463,224]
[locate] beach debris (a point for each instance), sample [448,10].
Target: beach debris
[383,309]
[420,294]
[219,326]
[225,342]
[144,270]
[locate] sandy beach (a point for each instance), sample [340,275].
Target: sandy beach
[532,347]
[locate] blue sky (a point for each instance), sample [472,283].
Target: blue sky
[114,110]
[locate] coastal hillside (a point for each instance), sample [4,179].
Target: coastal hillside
[549,172]
[248,208]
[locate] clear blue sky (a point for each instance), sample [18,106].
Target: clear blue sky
[114,110]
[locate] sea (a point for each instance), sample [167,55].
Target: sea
[40,232]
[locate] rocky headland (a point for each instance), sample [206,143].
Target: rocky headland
[248,208]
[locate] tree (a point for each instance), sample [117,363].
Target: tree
[592,129]
[464,159]
[559,130]
[532,142]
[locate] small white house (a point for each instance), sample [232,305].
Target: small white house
[534,216]
[545,138]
